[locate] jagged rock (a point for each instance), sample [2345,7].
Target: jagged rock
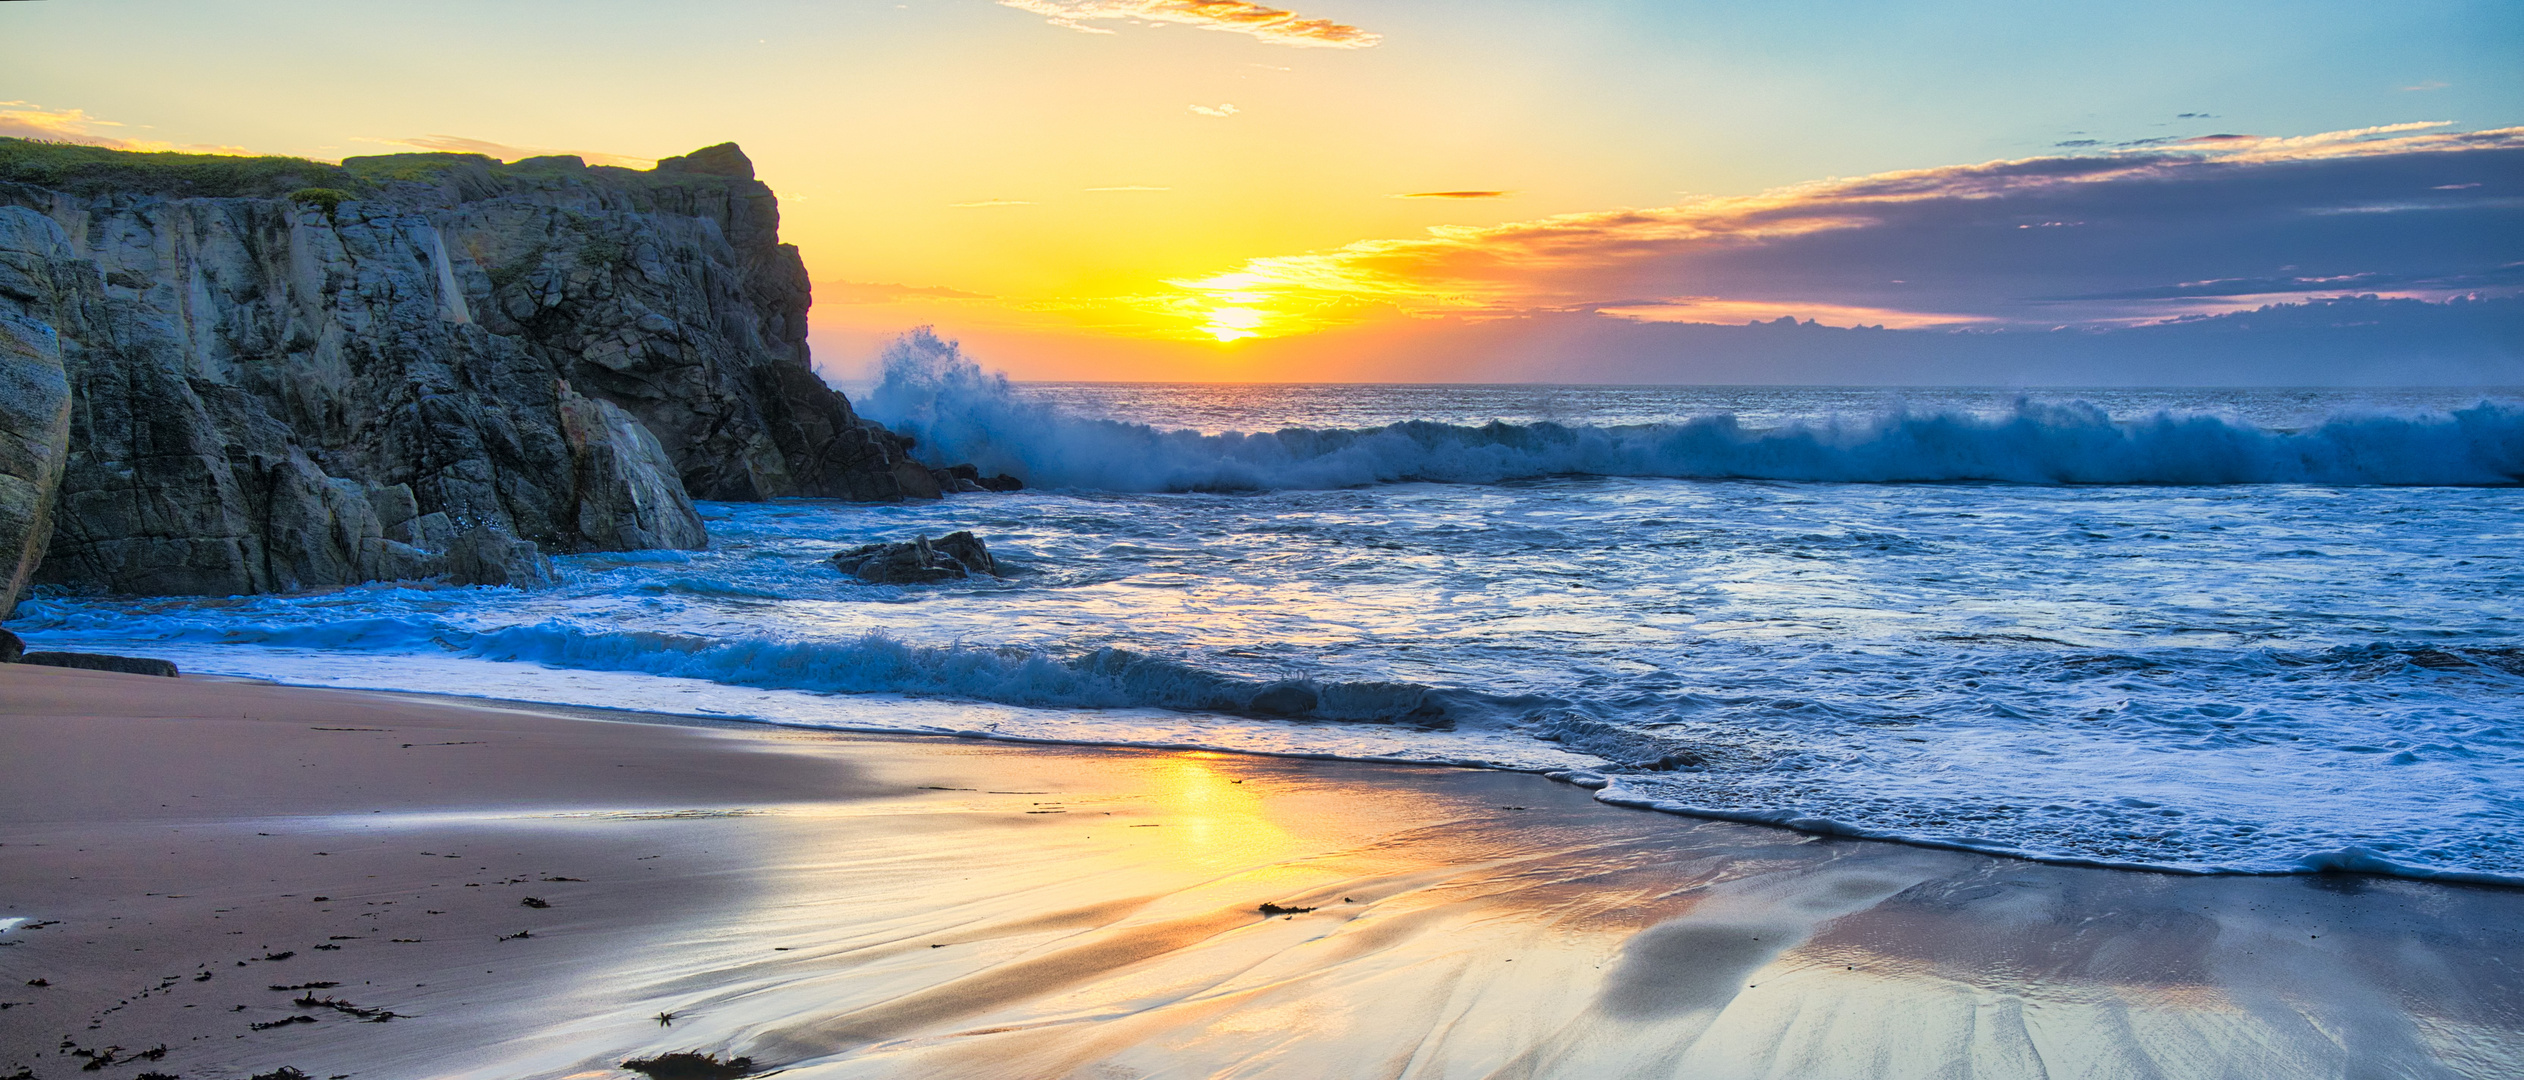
[128,665]
[267,375]
[481,556]
[919,561]
[966,548]
[965,478]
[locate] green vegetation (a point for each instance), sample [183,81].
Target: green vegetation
[412,168]
[94,170]
[504,276]
[602,252]
[326,197]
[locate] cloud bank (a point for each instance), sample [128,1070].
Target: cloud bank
[1268,24]
[27,120]
[2202,226]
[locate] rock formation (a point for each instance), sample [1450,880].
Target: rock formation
[34,396]
[919,561]
[128,665]
[265,374]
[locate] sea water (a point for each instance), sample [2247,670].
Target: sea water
[2197,630]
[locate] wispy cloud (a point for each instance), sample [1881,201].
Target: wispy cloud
[2425,86]
[1221,109]
[459,144]
[2094,238]
[990,202]
[1269,24]
[1715,309]
[1455,195]
[27,120]
[872,292]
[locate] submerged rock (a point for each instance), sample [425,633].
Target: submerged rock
[128,665]
[225,375]
[965,478]
[919,561]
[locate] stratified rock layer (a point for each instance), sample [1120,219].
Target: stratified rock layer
[283,375]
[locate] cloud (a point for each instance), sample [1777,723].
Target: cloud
[2091,239]
[2353,341]
[1455,195]
[1718,310]
[871,292]
[459,144]
[990,202]
[1268,24]
[27,120]
[1214,110]
[2425,86]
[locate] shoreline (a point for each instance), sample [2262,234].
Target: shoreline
[840,904]
[2353,861]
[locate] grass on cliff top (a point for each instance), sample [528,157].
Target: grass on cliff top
[94,170]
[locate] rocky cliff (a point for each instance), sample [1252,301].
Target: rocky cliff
[237,375]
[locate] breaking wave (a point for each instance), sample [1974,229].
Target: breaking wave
[1106,678]
[957,412]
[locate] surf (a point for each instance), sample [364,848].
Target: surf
[930,389]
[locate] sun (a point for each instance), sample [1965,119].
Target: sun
[1233,323]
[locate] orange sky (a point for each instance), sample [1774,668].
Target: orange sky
[1182,189]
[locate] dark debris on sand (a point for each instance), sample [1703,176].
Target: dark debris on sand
[688,1065]
[373,1016]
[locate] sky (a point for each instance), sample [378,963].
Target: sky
[1367,190]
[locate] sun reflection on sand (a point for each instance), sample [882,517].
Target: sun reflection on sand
[1041,911]
[1210,815]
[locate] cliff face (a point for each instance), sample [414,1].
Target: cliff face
[283,375]
[34,396]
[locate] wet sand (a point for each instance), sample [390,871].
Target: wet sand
[846,906]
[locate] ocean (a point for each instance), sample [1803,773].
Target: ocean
[2206,631]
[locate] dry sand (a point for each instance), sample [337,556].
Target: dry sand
[849,906]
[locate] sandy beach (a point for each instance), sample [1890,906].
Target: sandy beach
[211,878]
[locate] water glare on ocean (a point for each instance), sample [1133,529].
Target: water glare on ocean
[2265,631]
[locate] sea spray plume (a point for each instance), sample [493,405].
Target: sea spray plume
[930,389]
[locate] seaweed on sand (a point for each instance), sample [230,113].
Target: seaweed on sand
[689,1065]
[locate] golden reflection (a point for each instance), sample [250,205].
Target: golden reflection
[1215,817]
